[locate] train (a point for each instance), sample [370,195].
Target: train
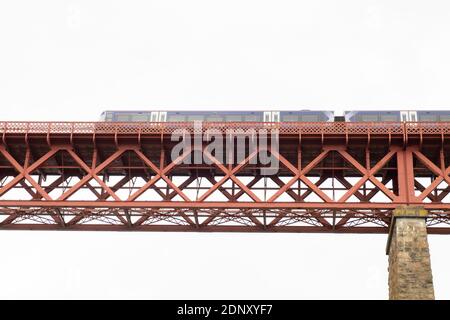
[276,116]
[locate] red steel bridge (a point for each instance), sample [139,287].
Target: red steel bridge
[333,177]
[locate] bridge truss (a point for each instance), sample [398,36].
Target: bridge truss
[332,177]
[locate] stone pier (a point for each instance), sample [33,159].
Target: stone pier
[410,276]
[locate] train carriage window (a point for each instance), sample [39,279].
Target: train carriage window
[214,118]
[369,117]
[177,118]
[388,117]
[195,117]
[139,117]
[233,118]
[428,117]
[309,118]
[123,117]
[109,116]
[251,118]
[289,118]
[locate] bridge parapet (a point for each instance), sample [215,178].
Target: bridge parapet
[329,128]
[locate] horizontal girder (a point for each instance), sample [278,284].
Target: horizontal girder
[330,177]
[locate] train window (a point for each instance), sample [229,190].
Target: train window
[177,118]
[109,116]
[251,118]
[123,117]
[428,117]
[388,117]
[445,118]
[290,118]
[139,117]
[369,117]
[214,118]
[309,118]
[195,117]
[233,118]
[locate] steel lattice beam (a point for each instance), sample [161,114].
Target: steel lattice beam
[333,177]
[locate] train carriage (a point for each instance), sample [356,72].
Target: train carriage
[218,116]
[276,116]
[397,116]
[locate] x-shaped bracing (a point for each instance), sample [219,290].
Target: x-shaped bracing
[442,173]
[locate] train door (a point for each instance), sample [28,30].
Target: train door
[276,116]
[404,116]
[162,116]
[408,116]
[154,117]
[271,116]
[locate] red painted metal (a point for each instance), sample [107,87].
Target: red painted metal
[333,177]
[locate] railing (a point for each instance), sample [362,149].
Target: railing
[325,128]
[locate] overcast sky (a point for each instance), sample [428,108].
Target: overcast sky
[69,60]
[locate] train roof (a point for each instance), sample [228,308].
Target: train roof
[398,110]
[219,110]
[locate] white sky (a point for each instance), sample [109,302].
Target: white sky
[69,60]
